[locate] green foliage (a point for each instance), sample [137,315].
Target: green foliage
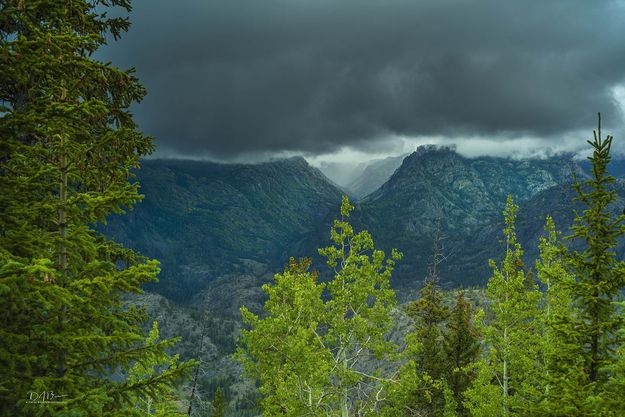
[430,363]
[561,367]
[506,376]
[599,275]
[219,404]
[307,352]
[430,313]
[283,351]
[68,147]
[438,357]
[613,404]
[461,347]
[583,329]
[164,403]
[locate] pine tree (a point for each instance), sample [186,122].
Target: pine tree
[600,276]
[307,353]
[219,404]
[430,314]
[166,404]
[462,349]
[68,147]
[506,382]
[583,368]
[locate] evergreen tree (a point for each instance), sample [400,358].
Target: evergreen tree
[599,275]
[614,404]
[166,403]
[308,352]
[583,369]
[506,379]
[430,314]
[68,147]
[438,353]
[219,404]
[462,349]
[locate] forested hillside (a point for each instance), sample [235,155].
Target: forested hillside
[203,220]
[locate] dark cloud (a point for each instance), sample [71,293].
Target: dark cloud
[227,77]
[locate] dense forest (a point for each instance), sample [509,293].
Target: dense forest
[546,339]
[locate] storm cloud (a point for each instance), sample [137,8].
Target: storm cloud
[232,77]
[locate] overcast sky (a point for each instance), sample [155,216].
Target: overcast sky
[354,79]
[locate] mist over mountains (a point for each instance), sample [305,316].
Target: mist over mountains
[219,230]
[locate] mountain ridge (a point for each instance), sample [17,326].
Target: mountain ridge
[204,219]
[213,225]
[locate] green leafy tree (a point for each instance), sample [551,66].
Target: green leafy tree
[560,369]
[506,382]
[308,352]
[68,147]
[284,351]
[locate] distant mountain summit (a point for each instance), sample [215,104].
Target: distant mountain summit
[436,185]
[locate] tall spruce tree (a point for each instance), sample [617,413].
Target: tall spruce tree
[68,147]
[430,314]
[505,384]
[600,276]
[584,370]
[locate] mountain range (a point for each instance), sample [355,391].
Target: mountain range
[220,230]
